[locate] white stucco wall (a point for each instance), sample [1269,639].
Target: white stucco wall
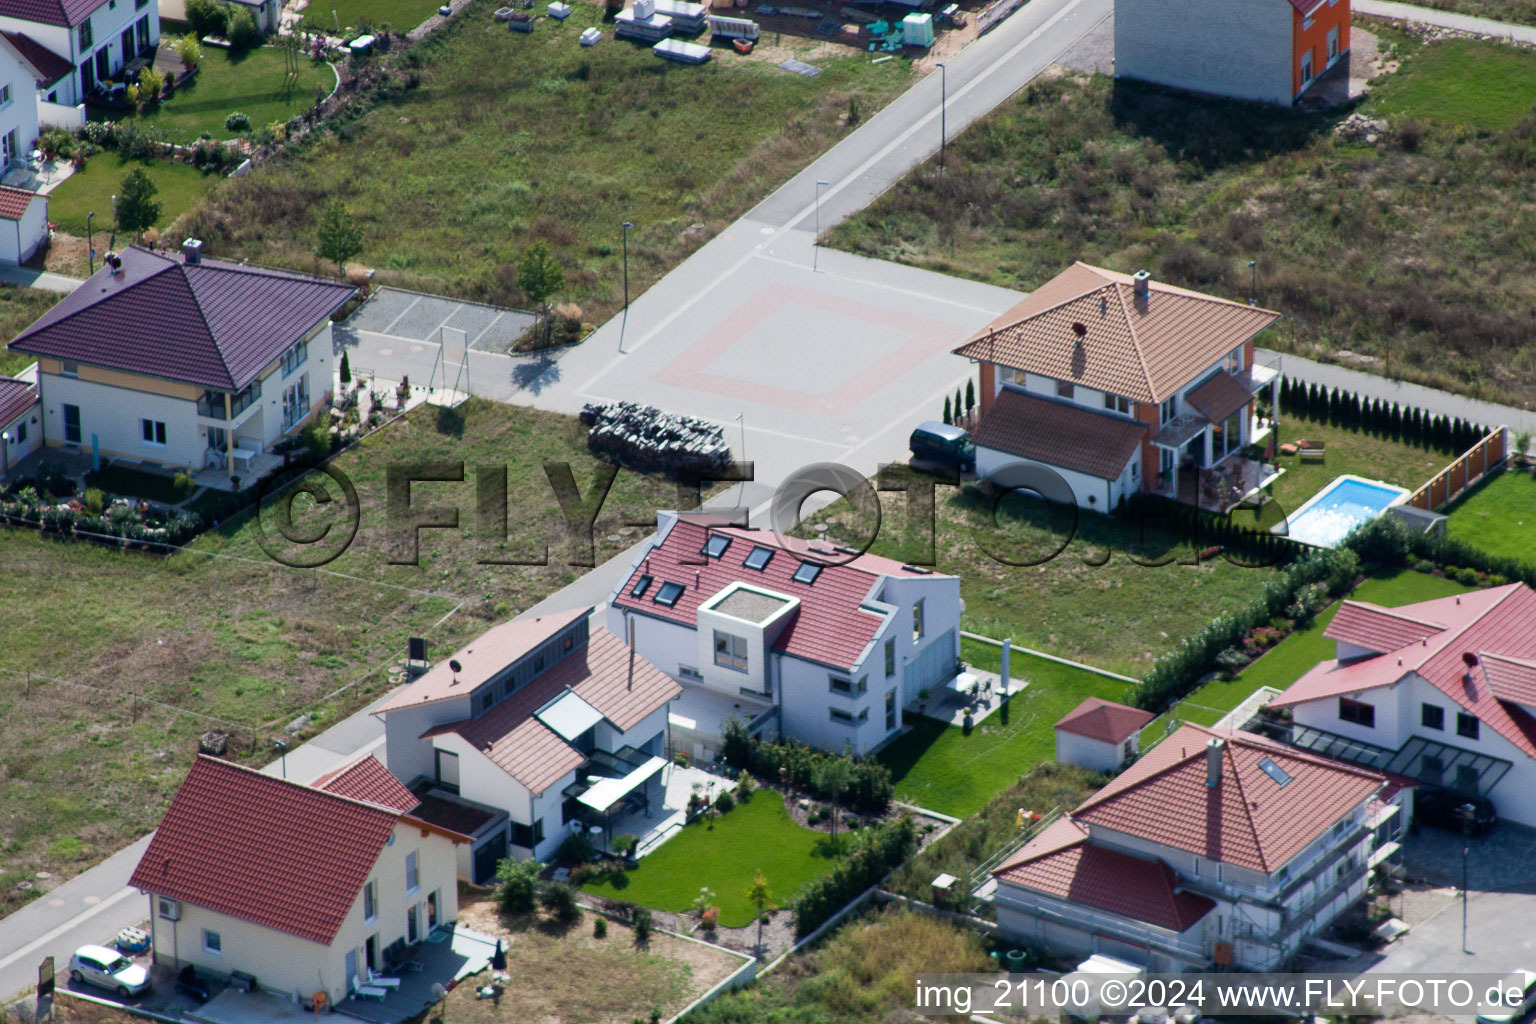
[1104,494]
[1088,753]
[1242,50]
[18,450]
[112,414]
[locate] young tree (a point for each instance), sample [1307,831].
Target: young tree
[346,370]
[540,276]
[833,778]
[189,50]
[519,885]
[759,895]
[949,417]
[958,406]
[337,236]
[137,207]
[970,396]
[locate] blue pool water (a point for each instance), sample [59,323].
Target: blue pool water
[1332,513]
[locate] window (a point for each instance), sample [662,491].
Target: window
[5,95]
[213,942]
[1170,409]
[1466,725]
[759,558]
[370,902]
[847,687]
[1431,769]
[411,929]
[1117,403]
[528,836]
[807,573]
[72,424]
[641,586]
[1308,23]
[847,717]
[890,710]
[69,368]
[83,33]
[668,594]
[142,28]
[716,545]
[917,620]
[1274,771]
[153,432]
[295,357]
[1333,44]
[731,651]
[295,402]
[1432,716]
[890,657]
[1306,67]
[412,875]
[689,672]
[1467,778]
[484,699]
[1064,389]
[1007,375]
[1235,361]
[1357,712]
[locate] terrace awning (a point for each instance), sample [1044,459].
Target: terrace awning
[604,793]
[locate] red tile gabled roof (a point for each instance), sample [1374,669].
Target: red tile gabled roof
[1060,434]
[1144,350]
[625,688]
[1104,720]
[1376,628]
[212,324]
[49,12]
[1499,621]
[16,397]
[1248,819]
[14,202]
[276,853]
[830,627]
[47,66]
[1220,397]
[368,780]
[1510,679]
[1061,862]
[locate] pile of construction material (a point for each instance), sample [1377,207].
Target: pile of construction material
[645,438]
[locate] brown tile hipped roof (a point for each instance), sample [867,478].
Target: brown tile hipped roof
[1104,720]
[49,12]
[16,397]
[47,66]
[1376,628]
[276,853]
[1248,819]
[213,324]
[1144,349]
[14,202]
[368,780]
[1220,397]
[1060,862]
[1059,434]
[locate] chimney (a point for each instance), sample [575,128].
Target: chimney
[1213,749]
[192,251]
[1141,281]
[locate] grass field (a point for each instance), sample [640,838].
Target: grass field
[939,767]
[510,138]
[725,853]
[1192,188]
[90,190]
[1294,656]
[255,83]
[20,306]
[1498,517]
[223,630]
[400,15]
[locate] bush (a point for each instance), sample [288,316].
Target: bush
[183,483]
[643,924]
[576,848]
[1384,541]
[1424,565]
[559,900]
[1232,660]
[600,927]
[869,789]
[52,478]
[519,885]
[317,440]
[725,802]
[243,33]
[237,122]
[206,18]
[95,501]
[875,852]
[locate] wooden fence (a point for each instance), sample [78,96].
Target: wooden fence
[1469,467]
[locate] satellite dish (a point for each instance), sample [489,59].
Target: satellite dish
[454,664]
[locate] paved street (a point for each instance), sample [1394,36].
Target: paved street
[1446,19]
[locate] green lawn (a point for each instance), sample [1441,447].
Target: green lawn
[1480,85]
[400,15]
[1292,657]
[127,482]
[1498,517]
[19,306]
[939,767]
[90,190]
[255,83]
[725,854]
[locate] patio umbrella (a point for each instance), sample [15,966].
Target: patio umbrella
[499,958]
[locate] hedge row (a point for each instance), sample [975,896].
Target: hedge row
[1245,546]
[869,788]
[1384,419]
[875,853]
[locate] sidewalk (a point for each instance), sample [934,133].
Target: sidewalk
[29,278]
[1446,19]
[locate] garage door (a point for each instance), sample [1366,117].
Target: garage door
[933,666]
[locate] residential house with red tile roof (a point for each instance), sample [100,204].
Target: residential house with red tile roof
[304,887]
[1216,847]
[23,214]
[796,638]
[20,429]
[1442,692]
[184,361]
[553,723]
[1100,734]
[1271,51]
[1108,384]
[92,38]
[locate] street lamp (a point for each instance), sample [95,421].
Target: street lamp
[741,418]
[943,103]
[627,226]
[1468,814]
[282,746]
[816,242]
[89,244]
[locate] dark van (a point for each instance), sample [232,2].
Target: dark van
[943,444]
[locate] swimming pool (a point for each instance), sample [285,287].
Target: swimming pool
[1330,514]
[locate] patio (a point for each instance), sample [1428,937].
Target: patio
[981,693]
[249,468]
[449,954]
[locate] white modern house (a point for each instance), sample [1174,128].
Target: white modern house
[797,639]
[1442,692]
[184,361]
[95,38]
[18,113]
[305,888]
[1120,384]
[540,726]
[1216,848]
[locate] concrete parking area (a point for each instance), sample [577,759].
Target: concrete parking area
[394,316]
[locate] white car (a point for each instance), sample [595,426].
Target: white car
[109,969]
[1512,1010]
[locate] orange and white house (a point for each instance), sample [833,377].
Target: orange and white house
[1118,384]
[1271,51]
